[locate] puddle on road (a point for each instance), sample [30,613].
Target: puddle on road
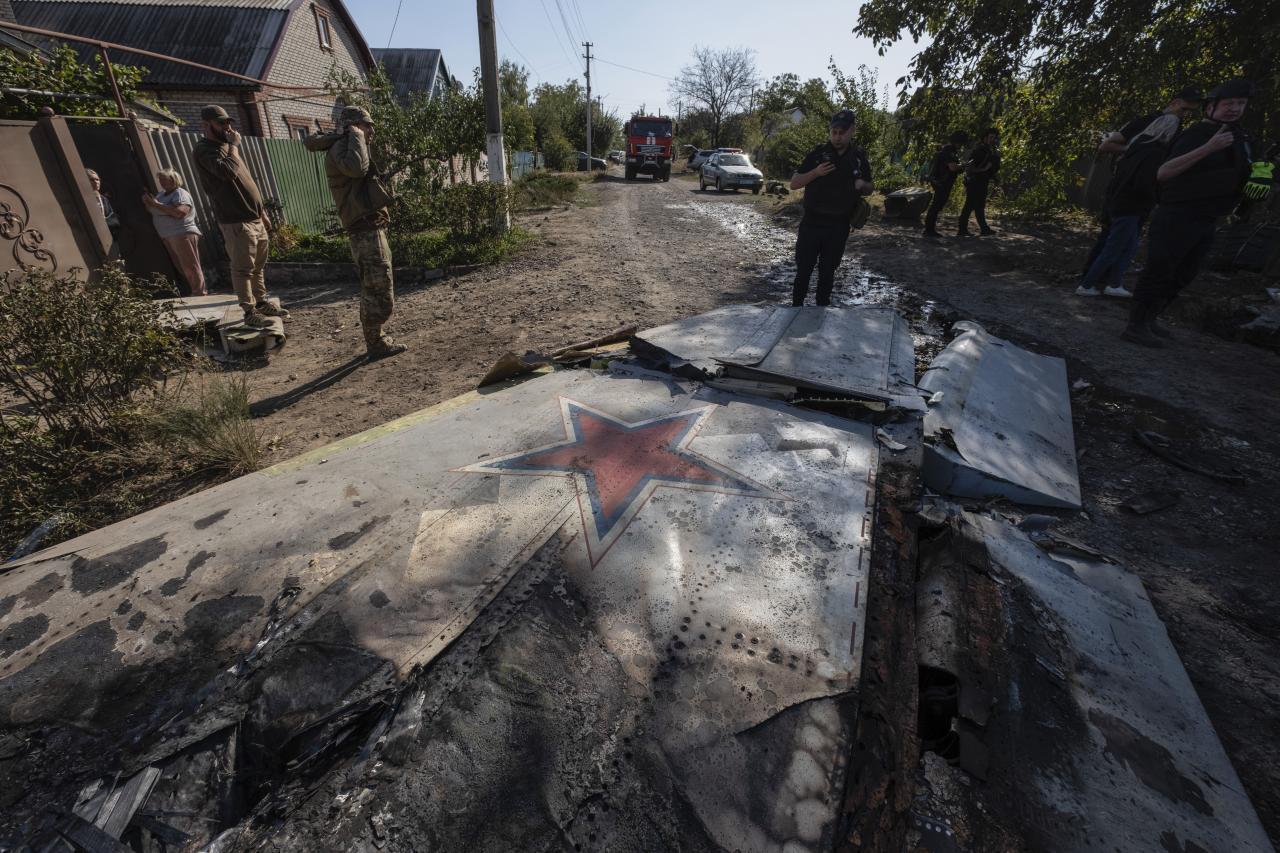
[771,256]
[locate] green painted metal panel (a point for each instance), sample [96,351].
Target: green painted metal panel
[300,180]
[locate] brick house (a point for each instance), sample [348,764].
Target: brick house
[286,42]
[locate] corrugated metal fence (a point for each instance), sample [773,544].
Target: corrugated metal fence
[174,149]
[304,191]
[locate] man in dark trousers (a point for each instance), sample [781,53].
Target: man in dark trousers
[942,177]
[1207,169]
[834,176]
[981,170]
[1183,105]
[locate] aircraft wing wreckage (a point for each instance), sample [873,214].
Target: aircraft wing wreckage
[629,609]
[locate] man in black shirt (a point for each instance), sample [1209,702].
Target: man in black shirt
[1183,105]
[942,177]
[981,170]
[834,176]
[1201,179]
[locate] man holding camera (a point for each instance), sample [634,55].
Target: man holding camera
[362,203]
[237,205]
[835,176]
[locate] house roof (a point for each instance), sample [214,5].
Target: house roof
[413,69]
[238,35]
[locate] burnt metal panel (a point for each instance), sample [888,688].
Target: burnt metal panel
[237,38]
[715,592]
[999,422]
[1096,737]
[861,352]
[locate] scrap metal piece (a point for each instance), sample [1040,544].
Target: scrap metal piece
[863,352]
[713,548]
[1097,733]
[1002,427]
[1161,446]
[1145,503]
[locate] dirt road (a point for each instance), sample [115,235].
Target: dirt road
[648,253]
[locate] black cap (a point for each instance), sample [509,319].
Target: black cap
[1189,93]
[1237,88]
[844,118]
[213,112]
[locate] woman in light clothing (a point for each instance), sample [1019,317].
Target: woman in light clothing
[174,214]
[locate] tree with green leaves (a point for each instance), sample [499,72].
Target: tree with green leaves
[718,81]
[1053,75]
[76,89]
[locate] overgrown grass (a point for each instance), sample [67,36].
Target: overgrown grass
[213,432]
[93,426]
[543,189]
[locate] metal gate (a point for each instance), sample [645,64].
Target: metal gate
[49,218]
[303,188]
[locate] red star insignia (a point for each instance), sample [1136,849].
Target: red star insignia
[617,465]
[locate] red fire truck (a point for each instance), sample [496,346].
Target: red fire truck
[650,146]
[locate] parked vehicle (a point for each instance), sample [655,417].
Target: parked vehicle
[617,156]
[650,146]
[698,157]
[730,171]
[597,163]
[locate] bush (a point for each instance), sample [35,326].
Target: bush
[77,353]
[889,177]
[100,434]
[541,189]
[559,154]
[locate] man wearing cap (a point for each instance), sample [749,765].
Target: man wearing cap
[1207,169]
[237,205]
[362,203]
[834,175]
[942,178]
[1183,105]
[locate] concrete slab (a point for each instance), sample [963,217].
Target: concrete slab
[999,423]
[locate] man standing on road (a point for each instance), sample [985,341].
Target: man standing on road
[835,176]
[983,166]
[362,203]
[1182,105]
[1202,178]
[942,177]
[237,205]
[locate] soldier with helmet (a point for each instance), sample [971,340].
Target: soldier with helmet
[362,203]
[1207,169]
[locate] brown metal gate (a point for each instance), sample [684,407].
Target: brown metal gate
[48,218]
[124,161]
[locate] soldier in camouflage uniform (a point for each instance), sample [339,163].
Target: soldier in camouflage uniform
[362,203]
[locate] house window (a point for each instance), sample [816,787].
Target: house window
[299,127]
[323,28]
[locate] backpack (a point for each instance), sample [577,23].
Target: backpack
[1135,171]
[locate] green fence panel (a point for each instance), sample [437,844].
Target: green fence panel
[299,175]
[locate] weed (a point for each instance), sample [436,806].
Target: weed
[213,434]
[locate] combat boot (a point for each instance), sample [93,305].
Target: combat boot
[384,347]
[1138,331]
[269,309]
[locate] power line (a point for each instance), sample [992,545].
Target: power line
[394,21]
[573,39]
[555,33]
[573,4]
[517,50]
[629,68]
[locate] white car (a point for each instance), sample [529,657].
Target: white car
[730,171]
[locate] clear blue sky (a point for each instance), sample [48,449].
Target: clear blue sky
[787,37]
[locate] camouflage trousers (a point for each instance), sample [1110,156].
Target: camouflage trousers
[372,255]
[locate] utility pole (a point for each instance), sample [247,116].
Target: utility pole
[588,46]
[492,103]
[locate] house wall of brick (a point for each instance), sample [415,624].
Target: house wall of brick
[301,61]
[186,105]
